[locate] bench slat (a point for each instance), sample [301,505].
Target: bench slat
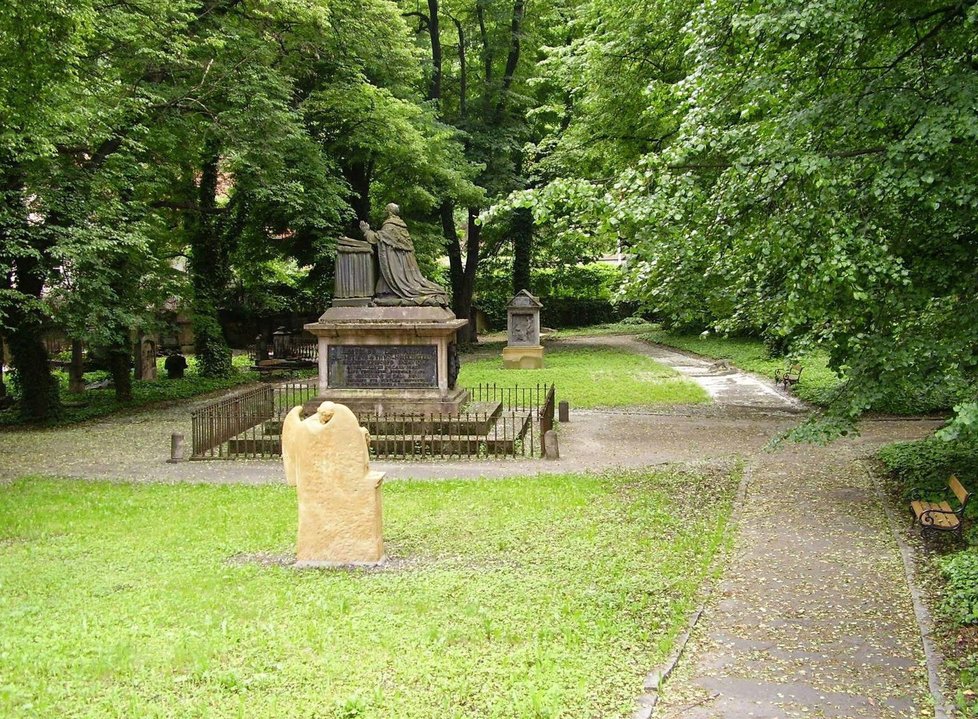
[959,491]
[938,518]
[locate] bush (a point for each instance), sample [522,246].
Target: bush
[960,600]
[574,296]
[929,462]
[579,312]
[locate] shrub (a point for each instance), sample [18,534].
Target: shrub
[929,462]
[574,296]
[960,600]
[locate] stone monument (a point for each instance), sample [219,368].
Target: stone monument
[145,356]
[523,349]
[340,512]
[387,345]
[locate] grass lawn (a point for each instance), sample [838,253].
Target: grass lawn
[592,377]
[526,597]
[101,402]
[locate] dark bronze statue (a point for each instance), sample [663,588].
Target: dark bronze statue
[386,254]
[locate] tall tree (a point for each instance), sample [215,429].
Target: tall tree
[802,171]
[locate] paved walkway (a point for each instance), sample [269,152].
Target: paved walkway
[729,387]
[813,617]
[747,411]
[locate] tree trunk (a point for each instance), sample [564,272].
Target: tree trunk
[434,33]
[39,392]
[76,380]
[208,268]
[466,290]
[522,229]
[454,249]
[358,176]
[120,360]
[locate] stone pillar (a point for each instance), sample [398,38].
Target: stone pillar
[146,358]
[323,365]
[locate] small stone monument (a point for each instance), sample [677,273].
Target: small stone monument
[340,514]
[146,358]
[523,349]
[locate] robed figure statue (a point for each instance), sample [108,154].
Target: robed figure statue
[400,281]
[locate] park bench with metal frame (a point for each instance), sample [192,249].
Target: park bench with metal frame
[788,376]
[940,516]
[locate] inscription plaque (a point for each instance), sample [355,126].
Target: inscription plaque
[382,366]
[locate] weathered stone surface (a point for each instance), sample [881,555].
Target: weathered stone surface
[340,512]
[563,411]
[523,357]
[523,349]
[389,360]
[550,448]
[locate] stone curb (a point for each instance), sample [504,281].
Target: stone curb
[655,678]
[933,656]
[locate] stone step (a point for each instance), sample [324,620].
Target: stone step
[475,418]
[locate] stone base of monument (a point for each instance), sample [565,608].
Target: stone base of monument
[388,360]
[392,402]
[523,357]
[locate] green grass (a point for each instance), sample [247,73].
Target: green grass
[95,403]
[525,597]
[592,377]
[818,383]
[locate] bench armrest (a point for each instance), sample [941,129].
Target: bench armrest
[927,518]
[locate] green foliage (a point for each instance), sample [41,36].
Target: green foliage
[792,171]
[94,403]
[592,377]
[959,600]
[929,462]
[143,599]
[572,296]
[213,353]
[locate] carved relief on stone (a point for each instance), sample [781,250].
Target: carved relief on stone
[340,512]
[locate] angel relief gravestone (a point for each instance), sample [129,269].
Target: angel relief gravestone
[387,345]
[340,511]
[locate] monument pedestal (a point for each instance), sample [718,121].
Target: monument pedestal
[388,360]
[523,357]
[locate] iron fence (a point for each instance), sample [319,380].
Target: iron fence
[499,421]
[216,424]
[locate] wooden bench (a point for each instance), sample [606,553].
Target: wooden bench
[788,376]
[940,516]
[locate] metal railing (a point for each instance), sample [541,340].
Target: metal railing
[500,422]
[546,413]
[215,424]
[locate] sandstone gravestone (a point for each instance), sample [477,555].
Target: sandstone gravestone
[146,358]
[523,349]
[340,513]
